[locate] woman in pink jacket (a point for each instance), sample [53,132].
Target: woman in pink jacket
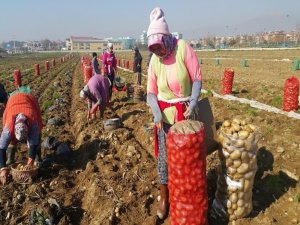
[109,62]
[173,88]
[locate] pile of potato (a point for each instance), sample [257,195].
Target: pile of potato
[236,173]
[23,167]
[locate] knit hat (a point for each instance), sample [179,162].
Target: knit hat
[109,45]
[158,24]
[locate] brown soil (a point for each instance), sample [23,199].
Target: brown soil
[111,176]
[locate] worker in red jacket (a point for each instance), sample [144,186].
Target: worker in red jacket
[22,121]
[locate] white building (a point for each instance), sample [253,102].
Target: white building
[143,38]
[177,35]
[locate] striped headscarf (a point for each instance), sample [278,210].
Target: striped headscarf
[166,42]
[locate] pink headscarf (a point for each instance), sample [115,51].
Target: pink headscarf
[159,34]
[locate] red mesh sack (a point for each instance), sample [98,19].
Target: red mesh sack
[187,173]
[37,69]
[291,93]
[47,65]
[17,78]
[227,81]
[87,73]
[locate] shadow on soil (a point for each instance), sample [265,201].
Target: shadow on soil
[268,187]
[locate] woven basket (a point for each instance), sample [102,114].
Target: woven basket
[23,176]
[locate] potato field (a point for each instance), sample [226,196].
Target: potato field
[110,177]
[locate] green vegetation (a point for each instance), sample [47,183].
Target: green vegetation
[277,101]
[264,89]
[251,111]
[56,95]
[46,104]
[269,130]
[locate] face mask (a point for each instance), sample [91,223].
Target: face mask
[159,50]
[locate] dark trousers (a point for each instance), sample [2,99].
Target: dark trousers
[111,78]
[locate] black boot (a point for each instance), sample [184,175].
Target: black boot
[11,150]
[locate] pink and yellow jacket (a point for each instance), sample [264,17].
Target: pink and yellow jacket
[171,79]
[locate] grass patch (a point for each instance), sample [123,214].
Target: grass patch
[45,133]
[277,101]
[264,89]
[46,104]
[56,95]
[251,112]
[269,130]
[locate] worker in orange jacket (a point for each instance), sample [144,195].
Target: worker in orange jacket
[22,121]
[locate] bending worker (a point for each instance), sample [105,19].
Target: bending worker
[22,121]
[96,91]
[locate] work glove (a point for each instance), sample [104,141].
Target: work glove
[190,111]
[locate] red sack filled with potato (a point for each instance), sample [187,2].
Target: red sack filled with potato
[187,173]
[291,93]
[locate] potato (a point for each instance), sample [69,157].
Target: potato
[249,175]
[248,196]
[236,127]
[245,157]
[239,143]
[233,198]
[237,121]
[229,162]
[253,128]
[248,186]
[234,206]
[226,123]
[243,134]
[19,166]
[241,195]
[232,189]
[232,217]
[231,170]
[228,204]
[240,212]
[225,153]
[235,155]
[230,211]
[240,202]
[251,137]
[237,176]
[243,168]
[252,164]
[237,163]
[230,148]
[247,128]
[221,138]
[235,135]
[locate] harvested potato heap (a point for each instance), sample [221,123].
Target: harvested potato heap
[24,167]
[187,176]
[237,170]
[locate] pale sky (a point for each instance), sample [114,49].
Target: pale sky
[59,19]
